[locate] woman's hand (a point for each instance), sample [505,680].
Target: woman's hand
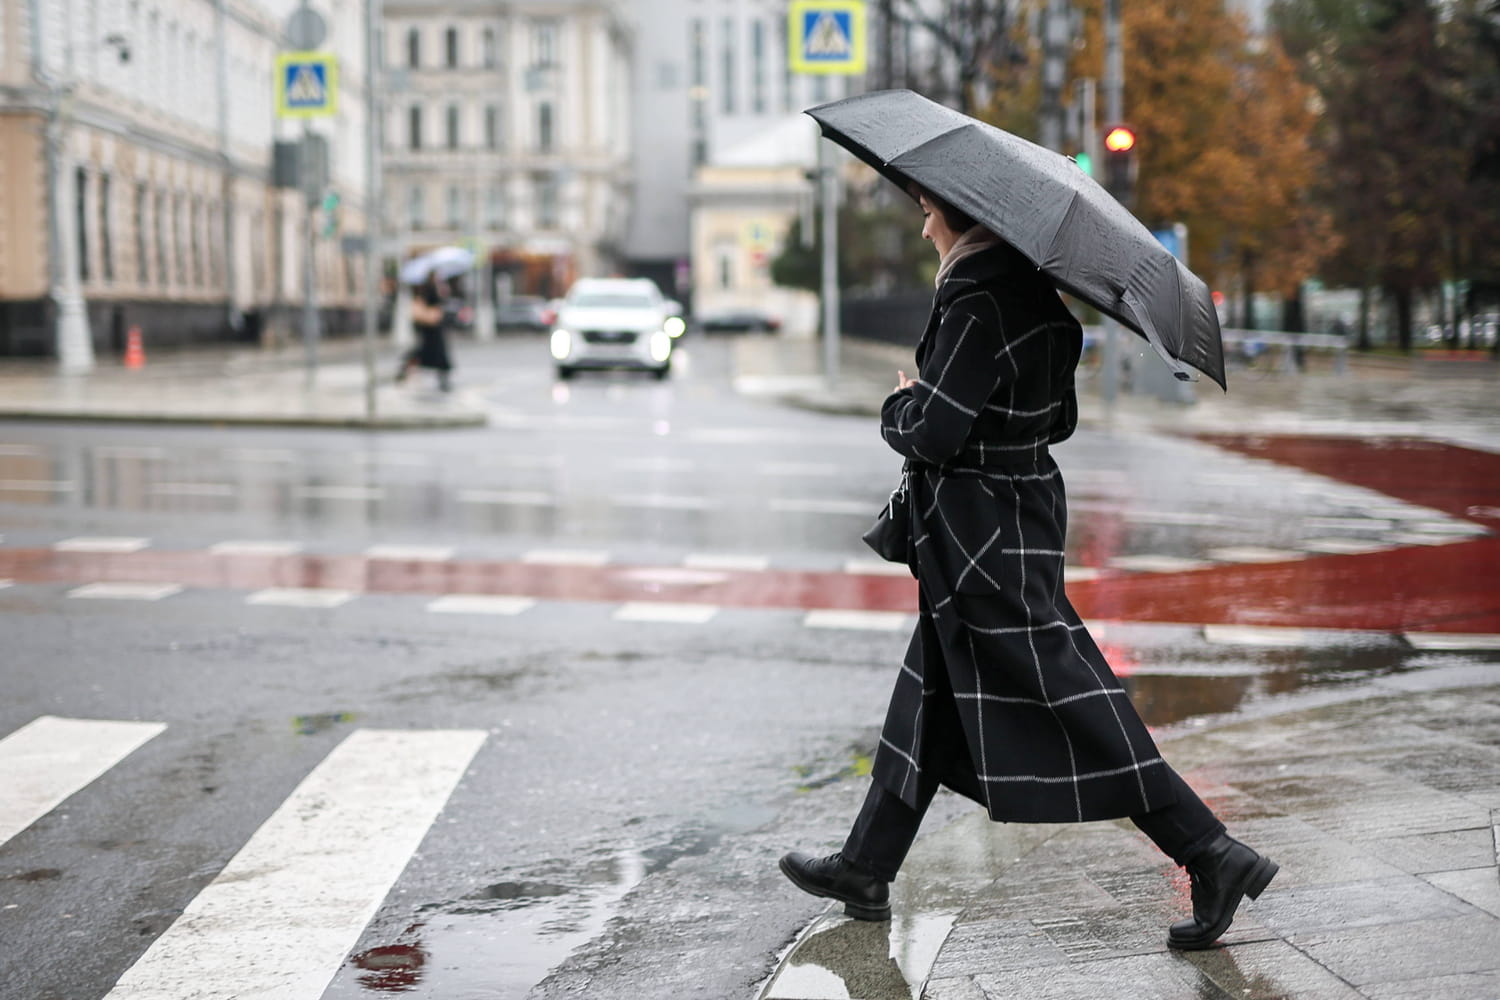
[902,382]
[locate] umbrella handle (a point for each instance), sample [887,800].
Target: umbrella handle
[1137,309]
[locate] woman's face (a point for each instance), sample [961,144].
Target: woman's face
[935,227]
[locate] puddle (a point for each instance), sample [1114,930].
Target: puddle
[840,958]
[311,725]
[815,776]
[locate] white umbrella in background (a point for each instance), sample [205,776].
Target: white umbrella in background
[444,262]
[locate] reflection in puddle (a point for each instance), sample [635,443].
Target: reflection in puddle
[840,958]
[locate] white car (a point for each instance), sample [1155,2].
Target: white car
[615,323]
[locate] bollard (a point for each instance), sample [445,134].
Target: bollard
[135,351]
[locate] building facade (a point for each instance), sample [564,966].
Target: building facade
[507,128]
[136,147]
[710,77]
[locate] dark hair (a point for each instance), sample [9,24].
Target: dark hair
[955,219]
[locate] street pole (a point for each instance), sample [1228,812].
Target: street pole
[73,339]
[309,264]
[1114,113]
[373,227]
[828,186]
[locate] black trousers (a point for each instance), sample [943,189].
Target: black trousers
[886,827]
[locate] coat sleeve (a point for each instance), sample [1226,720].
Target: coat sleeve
[931,421]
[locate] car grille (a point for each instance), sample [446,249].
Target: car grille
[610,336]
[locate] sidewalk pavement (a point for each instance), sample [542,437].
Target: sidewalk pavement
[1383,812]
[236,385]
[1382,804]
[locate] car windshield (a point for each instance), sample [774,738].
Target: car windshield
[611,300]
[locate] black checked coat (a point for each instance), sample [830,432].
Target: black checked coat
[1002,683]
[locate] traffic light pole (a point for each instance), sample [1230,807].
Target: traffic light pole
[310,197]
[1114,111]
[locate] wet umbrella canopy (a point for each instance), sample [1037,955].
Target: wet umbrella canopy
[444,262]
[1043,205]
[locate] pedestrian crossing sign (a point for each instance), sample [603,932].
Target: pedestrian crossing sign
[826,36]
[307,84]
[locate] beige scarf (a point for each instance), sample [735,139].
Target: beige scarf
[972,241]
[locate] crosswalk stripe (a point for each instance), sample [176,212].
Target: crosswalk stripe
[651,611]
[301,597]
[92,544]
[411,553]
[480,604]
[281,917]
[50,758]
[107,591]
[879,621]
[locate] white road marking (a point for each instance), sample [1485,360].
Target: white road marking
[100,544]
[1078,574]
[1347,524]
[411,553]
[521,498]
[37,486]
[784,505]
[252,548]
[799,469]
[662,501]
[6,583]
[1253,554]
[1343,546]
[1255,635]
[1408,538]
[282,916]
[879,621]
[675,576]
[1147,563]
[1178,517]
[126,591]
[1446,528]
[193,489]
[301,597]
[727,560]
[19,450]
[876,567]
[651,611]
[566,557]
[481,604]
[49,759]
[1452,640]
[355,493]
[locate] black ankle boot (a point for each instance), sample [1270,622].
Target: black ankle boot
[865,897]
[1224,873]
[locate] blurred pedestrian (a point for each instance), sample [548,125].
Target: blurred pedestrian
[1004,697]
[431,314]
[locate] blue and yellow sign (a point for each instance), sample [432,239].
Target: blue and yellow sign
[826,36]
[307,84]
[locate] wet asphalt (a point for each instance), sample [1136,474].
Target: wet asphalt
[616,834]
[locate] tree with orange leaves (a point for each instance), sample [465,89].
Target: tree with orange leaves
[1225,141]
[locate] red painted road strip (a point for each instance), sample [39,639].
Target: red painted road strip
[1442,588]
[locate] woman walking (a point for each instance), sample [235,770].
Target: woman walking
[429,317]
[1003,696]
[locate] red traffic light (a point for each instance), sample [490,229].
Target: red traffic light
[1120,139]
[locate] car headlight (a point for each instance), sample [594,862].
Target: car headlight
[674,326]
[661,346]
[562,344]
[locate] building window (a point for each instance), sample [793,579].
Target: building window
[489,54]
[414,48]
[455,207]
[195,233]
[758,66]
[492,127]
[546,201]
[494,212]
[545,128]
[81,215]
[724,264]
[450,48]
[728,65]
[179,243]
[160,216]
[106,244]
[142,265]
[414,127]
[544,43]
[453,134]
[416,207]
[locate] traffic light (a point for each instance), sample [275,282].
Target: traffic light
[1120,163]
[1085,162]
[330,214]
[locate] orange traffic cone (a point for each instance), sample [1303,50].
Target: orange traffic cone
[135,352]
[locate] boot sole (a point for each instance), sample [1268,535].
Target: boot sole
[858,911]
[1254,884]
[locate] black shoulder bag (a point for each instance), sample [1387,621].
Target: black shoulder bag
[890,535]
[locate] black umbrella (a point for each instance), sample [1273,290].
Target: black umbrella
[1046,207]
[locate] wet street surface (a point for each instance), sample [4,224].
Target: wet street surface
[531,709]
